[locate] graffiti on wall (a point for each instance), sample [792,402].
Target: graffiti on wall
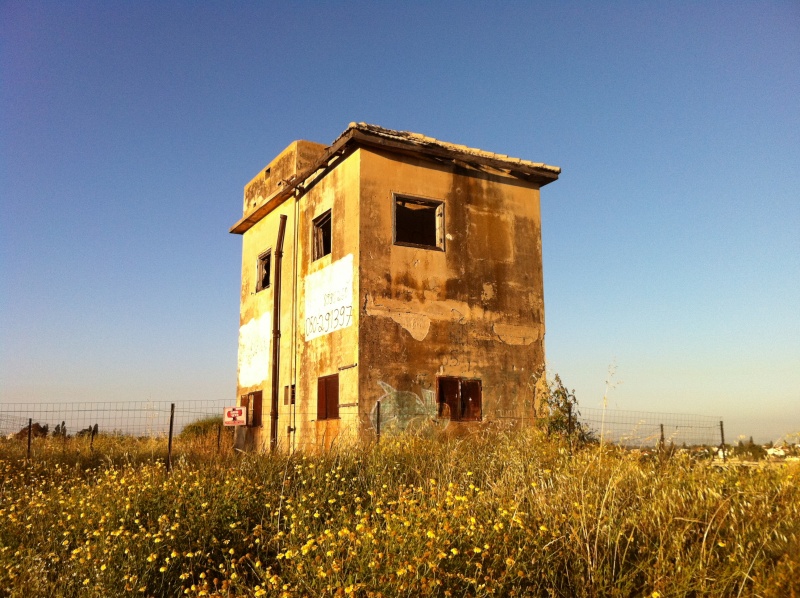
[405,411]
[254,355]
[329,298]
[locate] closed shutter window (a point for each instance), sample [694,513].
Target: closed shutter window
[328,397]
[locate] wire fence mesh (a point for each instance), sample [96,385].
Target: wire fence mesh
[151,419]
[133,418]
[643,428]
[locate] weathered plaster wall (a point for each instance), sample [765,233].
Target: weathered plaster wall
[389,319]
[475,310]
[294,159]
[321,352]
[255,321]
[256,311]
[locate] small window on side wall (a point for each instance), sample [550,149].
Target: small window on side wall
[288,395]
[418,222]
[460,399]
[322,235]
[263,271]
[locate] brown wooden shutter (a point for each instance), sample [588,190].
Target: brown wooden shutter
[332,396]
[255,405]
[244,401]
[449,403]
[328,397]
[471,399]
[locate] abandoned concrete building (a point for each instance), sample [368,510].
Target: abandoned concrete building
[390,282]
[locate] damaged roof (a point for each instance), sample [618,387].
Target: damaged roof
[424,144]
[363,134]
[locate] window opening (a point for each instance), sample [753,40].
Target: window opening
[460,399]
[263,271]
[322,235]
[418,223]
[288,395]
[328,397]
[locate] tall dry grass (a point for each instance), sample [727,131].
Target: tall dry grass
[502,514]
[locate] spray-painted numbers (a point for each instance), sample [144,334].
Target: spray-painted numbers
[329,321]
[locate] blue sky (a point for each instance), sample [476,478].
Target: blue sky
[671,241]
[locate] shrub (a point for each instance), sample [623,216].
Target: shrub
[201,427]
[561,415]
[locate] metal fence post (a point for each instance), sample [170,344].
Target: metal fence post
[378,420]
[722,436]
[169,445]
[30,428]
[569,420]
[91,439]
[661,440]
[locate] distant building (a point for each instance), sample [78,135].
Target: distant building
[388,268]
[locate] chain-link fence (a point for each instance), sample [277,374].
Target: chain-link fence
[131,418]
[643,428]
[152,419]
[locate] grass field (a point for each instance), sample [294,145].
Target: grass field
[494,514]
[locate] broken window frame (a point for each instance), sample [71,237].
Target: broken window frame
[322,235]
[411,238]
[328,397]
[264,271]
[467,402]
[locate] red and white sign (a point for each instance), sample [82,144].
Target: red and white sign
[234,416]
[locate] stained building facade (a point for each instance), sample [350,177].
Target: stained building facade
[392,282]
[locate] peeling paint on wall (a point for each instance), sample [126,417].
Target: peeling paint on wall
[409,314]
[402,411]
[517,335]
[417,325]
[254,350]
[489,292]
[329,298]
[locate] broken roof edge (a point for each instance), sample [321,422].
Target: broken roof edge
[422,142]
[366,134]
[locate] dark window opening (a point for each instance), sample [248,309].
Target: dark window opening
[460,399]
[419,223]
[322,235]
[252,402]
[288,395]
[328,397]
[263,271]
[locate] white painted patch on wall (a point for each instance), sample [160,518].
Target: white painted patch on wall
[329,298]
[255,339]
